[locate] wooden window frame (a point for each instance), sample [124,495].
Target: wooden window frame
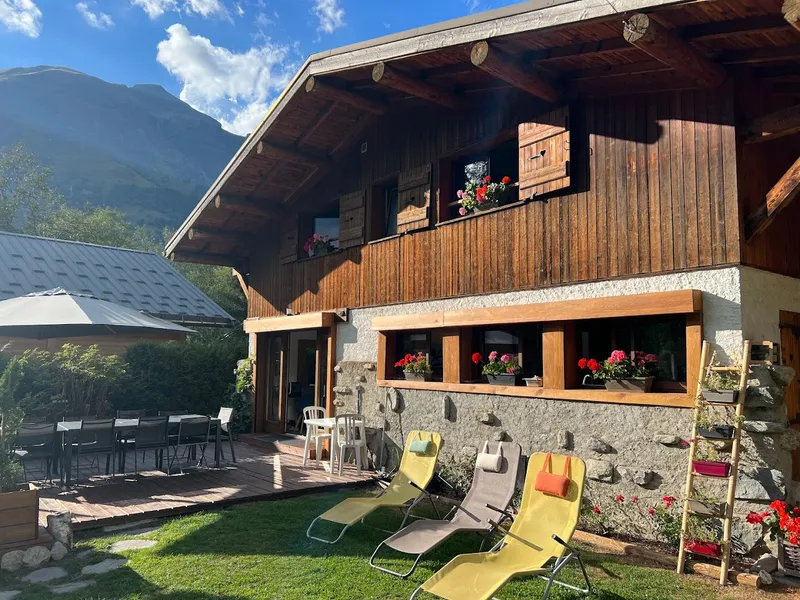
[559,345]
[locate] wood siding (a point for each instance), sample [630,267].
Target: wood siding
[653,190]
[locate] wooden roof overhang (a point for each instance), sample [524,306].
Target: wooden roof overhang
[554,51]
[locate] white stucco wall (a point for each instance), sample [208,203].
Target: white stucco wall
[722,315]
[764,295]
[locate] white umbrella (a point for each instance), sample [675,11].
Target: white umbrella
[57,313]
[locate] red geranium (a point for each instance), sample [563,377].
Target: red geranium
[619,498]
[487,179]
[779,519]
[476,358]
[597,510]
[582,363]
[506,180]
[593,365]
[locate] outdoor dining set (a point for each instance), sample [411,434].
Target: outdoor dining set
[345,432]
[57,446]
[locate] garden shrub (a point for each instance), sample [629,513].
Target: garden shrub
[10,417]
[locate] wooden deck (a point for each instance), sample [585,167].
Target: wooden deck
[101,501]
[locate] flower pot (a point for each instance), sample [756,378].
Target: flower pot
[711,468]
[707,509]
[641,385]
[487,206]
[19,515]
[788,557]
[503,379]
[710,549]
[319,252]
[533,381]
[426,376]
[716,432]
[721,396]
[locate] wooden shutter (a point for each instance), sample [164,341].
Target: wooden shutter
[289,240]
[351,219]
[544,154]
[414,199]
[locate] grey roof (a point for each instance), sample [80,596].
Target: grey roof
[139,280]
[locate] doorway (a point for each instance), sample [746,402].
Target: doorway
[790,357]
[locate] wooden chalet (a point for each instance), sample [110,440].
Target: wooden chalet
[654,155]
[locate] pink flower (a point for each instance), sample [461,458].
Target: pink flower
[493,355]
[635,499]
[616,356]
[462,211]
[460,193]
[511,370]
[619,498]
[597,510]
[651,358]
[506,358]
[651,511]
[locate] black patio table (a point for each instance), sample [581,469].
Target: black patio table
[68,429]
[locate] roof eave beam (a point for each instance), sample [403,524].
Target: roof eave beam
[246,206]
[318,87]
[498,64]
[774,125]
[220,260]
[384,74]
[197,234]
[652,38]
[778,198]
[293,154]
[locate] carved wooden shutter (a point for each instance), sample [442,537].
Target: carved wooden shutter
[289,240]
[351,219]
[414,199]
[544,153]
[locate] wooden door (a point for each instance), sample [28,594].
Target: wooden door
[276,383]
[790,357]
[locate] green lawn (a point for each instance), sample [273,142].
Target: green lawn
[260,551]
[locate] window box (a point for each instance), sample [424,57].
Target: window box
[533,381]
[709,549]
[721,396]
[637,385]
[716,432]
[505,379]
[711,468]
[426,376]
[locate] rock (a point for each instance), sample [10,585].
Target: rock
[106,566]
[486,418]
[446,407]
[599,446]
[59,526]
[766,562]
[761,484]
[68,588]
[764,427]
[640,477]
[342,390]
[667,439]
[45,575]
[746,536]
[564,439]
[764,397]
[58,551]
[369,366]
[338,368]
[12,561]
[338,403]
[499,436]
[599,470]
[126,545]
[379,407]
[361,379]
[782,375]
[765,577]
[9,595]
[35,556]
[790,440]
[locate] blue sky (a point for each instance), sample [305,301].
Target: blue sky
[227,58]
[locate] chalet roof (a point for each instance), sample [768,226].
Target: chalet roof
[556,50]
[142,281]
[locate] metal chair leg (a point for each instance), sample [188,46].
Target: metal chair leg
[230,442]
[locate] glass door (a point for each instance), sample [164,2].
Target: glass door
[276,387]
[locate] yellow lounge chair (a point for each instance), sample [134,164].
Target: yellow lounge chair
[408,486]
[535,544]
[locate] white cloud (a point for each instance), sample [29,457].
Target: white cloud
[98,20]
[204,8]
[239,10]
[330,15]
[473,5]
[234,88]
[21,15]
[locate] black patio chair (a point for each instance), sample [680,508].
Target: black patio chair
[95,438]
[172,413]
[36,442]
[131,414]
[152,433]
[192,433]
[225,417]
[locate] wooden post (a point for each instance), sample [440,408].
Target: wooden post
[500,65]
[395,79]
[559,352]
[694,346]
[386,355]
[657,41]
[451,356]
[791,12]
[330,373]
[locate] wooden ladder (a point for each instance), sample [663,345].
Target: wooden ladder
[727,518]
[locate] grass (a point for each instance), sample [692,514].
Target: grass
[260,551]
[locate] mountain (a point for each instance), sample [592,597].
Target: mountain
[138,148]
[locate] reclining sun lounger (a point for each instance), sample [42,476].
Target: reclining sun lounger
[405,490]
[535,544]
[484,506]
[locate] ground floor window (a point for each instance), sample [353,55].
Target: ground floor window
[428,343]
[523,342]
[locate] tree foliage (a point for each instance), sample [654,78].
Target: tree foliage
[27,200]
[10,418]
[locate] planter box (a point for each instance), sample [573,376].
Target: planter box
[711,469]
[710,549]
[531,382]
[427,376]
[19,516]
[788,557]
[721,396]
[641,385]
[716,432]
[315,253]
[708,509]
[504,379]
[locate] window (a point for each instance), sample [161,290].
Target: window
[428,343]
[327,227]
[501,161]
[663,336]
[323,222]
[384,210]
[522,341]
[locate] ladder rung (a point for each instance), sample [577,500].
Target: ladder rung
[725,369]
[708,516]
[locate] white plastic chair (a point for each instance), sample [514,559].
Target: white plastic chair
[313,432]
[350,434]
